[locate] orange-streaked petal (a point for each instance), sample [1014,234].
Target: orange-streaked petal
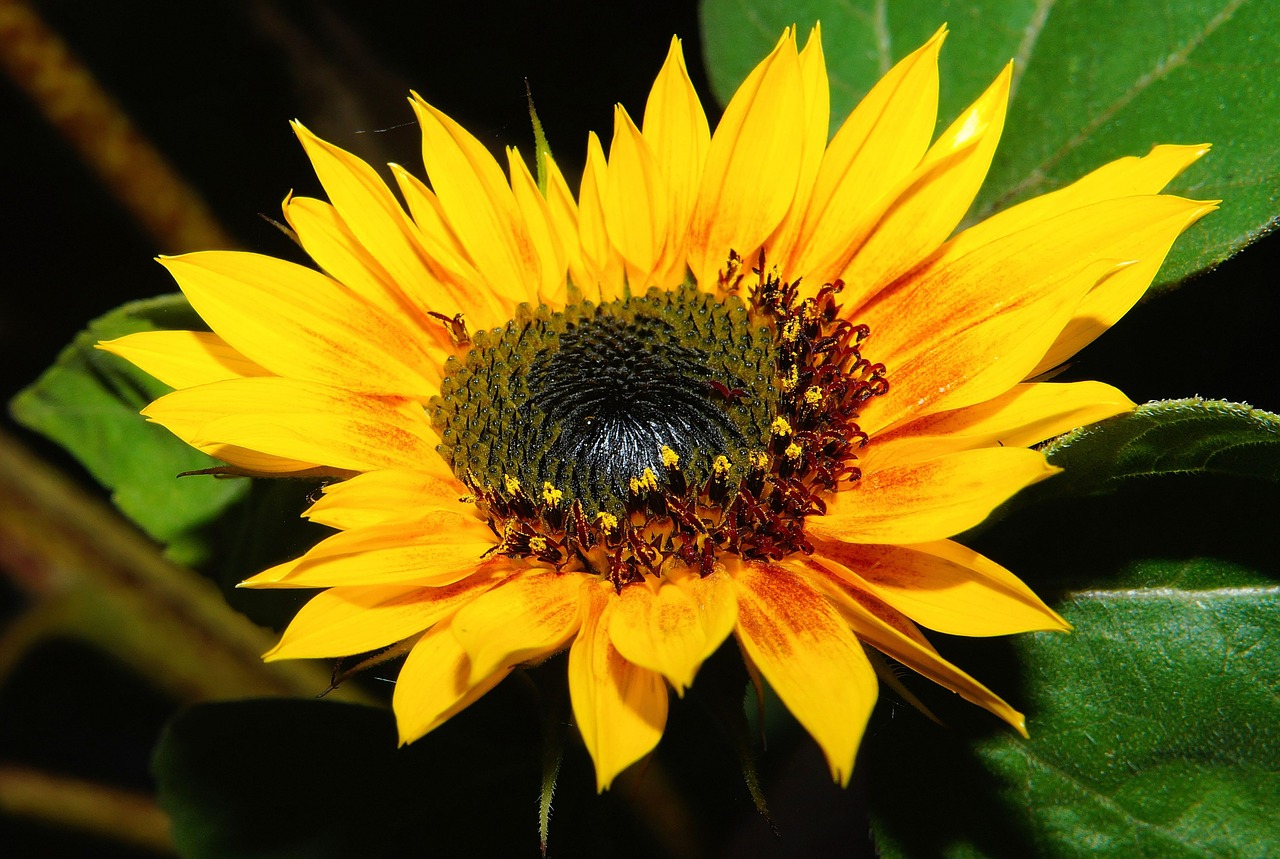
[959,592]
[637,206]
[929,500]
[548,244]
[386,496]
[620,708]
[933,198]
[995,310]
[439,549]
[303,324]
[526,618]
[347,621]
[890,632]
[435,684]
[813,134]
[183,359]
[752,166]
[876,148]
[671,626]
[676,130]
[479,206]
[1025,415]
[300,420]
[806,651]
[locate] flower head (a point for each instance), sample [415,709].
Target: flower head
[741,384]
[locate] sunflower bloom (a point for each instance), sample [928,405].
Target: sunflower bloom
[740,384]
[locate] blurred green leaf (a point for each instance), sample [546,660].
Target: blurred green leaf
[1094,80]
[88,402]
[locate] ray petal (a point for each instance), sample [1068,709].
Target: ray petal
[928,500]
[435,684]
[802,646]
[620,708]
[958,592]
[752,166]
[183,359]
[528,617]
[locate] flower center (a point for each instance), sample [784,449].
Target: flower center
[676,425]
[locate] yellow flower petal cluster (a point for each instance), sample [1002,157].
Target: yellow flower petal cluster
[331,370]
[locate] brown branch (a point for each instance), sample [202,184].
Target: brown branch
[92,575]
[65,91]
[114,813]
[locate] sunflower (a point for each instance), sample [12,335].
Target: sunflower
[745,383]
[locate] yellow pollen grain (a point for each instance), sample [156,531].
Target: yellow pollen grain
[721,466]
[538,544]
[513,485]
[813,396]
[607,521]
[793,451]
[646,481]
[550,495]
[791,330]
[760,460]
[780,426]
[670,459]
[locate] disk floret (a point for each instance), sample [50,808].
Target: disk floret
[671,428]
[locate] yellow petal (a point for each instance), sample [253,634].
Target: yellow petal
[299,323]
[752,166]
[528,617]
[885,629]
[672,627]
[439,549]
[959,592]
[563,212]
[933,199]
[1025,415]
[299,420]
[876,148]
[929,500]
[386,496]
[1124,177]
[620,708]
[479,205]
[636,202]
[183,359]
[1113,296]
[676,131]
[813,138]
[806,651]
[435,684]
[327,240]
[994,310]
[601,258]
[547,243]
[375,219]
[351,620]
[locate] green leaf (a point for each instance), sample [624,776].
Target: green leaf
[1191,436]
[88,402]
[1154,729]
[1094,81]
[1154,734]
